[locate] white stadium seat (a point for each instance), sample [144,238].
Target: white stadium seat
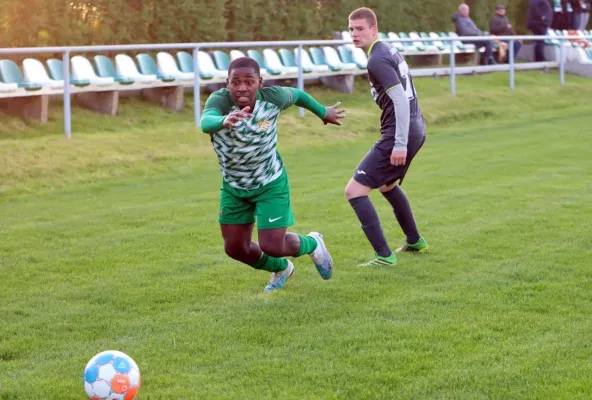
[206,64]
[234,54]
[83,69]
[272,60]
[34,71]
[126,67]
[333,58]
[307,62]
[168,66]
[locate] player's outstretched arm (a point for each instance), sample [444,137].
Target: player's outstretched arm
[216,116]
[329,115]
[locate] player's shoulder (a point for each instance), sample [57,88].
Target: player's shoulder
[278,95]
[380,53]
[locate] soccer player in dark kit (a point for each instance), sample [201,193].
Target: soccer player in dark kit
[403,133]
[242,122]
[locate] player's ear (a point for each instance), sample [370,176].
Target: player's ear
[260,83]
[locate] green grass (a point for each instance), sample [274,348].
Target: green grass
[109,241]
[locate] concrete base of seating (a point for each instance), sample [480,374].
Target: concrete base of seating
[102,102]
[170,97]
[32,107]
[527,53]
[424,60]
[342,83]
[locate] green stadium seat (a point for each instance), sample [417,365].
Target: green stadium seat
[382,35]
[256,55]
[221,60]
[10,73]
[347,55]
[55,69]
[318,58]
[307,61]
[207,66]
[428,40]
[272,61]
[147,66]
[234,54]
[105,69]
[288,60]
[460,45]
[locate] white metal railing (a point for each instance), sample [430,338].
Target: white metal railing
[195,47]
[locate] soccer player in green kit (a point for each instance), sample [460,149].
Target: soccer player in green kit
[242,122]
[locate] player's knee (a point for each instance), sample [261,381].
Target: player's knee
[237,251]
[353,190]
[272,248]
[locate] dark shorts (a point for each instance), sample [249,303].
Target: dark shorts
[376,170]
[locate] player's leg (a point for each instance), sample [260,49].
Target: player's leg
[237,217]
[396,196]
[274,216]
[367,177]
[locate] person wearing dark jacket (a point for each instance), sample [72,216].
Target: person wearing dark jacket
[466,27]
[500,25]
[539,19]
[581,14]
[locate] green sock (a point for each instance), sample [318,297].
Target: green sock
[271,264]
[307,245]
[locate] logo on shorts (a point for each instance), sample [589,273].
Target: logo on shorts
[264,124]
[361,172]
[274,219]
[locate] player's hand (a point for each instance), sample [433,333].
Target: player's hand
[237,116]
[398,157]
[334,114]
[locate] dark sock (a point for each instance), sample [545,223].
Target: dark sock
[368,217]
[271,264]
[307,245]
[403,213]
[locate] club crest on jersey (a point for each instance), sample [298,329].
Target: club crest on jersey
[264,124]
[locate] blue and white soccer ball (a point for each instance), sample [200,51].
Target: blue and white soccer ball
[111,375]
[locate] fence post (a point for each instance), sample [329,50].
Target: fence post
[300,76]
[561,63]
[196,88]
[452,62]
[511,56]
[67,104]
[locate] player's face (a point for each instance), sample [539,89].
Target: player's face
[243,84]
[363,35]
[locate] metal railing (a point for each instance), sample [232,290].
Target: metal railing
[195,47]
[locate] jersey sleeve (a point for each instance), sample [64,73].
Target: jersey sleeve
[279,95]
[215,111]
[383,69]
[285,97]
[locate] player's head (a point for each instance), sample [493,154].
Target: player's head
[244,80]
[500,10]
[363,27]
[463,10]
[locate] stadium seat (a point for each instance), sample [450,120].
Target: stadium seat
[11,74]
[272,61]
[83,69]
[55,68]
[333,58]
[288,60]
[221,60]
[234,54]
[8,87]
[105,69]
[34,71]
[307,62]
[398,45]
[126,67]
[460,45]
[147,66]
[318,58]
[427,45]
[438,43]
[256,55]
[347,55]
[382,35]
[168,66]
[412,45]
[206,64]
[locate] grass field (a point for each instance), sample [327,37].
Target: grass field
[110,241]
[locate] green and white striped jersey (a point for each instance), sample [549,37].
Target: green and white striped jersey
[247,152]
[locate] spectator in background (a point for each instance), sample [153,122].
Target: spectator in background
[466,27]
[500,25]
[539,19]
[581,14]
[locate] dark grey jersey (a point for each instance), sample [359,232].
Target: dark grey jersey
[390,80]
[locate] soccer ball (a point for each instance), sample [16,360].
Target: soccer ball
[111,375]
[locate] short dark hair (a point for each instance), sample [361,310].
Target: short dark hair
[364,13]
[244,62]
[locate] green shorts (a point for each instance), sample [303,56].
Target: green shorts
[270,203]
